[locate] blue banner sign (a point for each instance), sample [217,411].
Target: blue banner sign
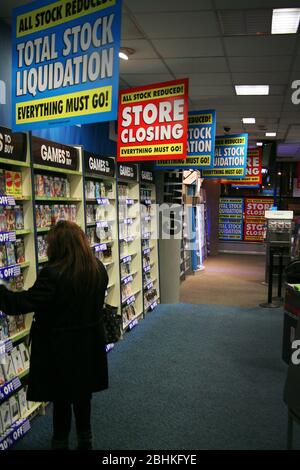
[65,62]
[10,271]
[231,218]
[6,237]
[230,157]
[14,434]
[200,145]
[9,388]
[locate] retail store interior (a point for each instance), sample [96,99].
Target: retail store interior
[206,327]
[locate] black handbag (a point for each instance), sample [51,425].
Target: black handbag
[112,324]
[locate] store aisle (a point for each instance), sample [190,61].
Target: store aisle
[227,280]
[191,377]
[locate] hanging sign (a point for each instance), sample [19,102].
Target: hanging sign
[152,122]
[95,164]
[230,157]
[127,172]
[231,218]
[253,176]
[65,63]
[254,226]
[48,153]
[147,176]
[200,145]
[13,146]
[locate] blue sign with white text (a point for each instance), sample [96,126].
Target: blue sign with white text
[65,64]
[200,145]
[230,157]
[231,218]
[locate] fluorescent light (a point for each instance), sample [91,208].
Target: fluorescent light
[285,20]
[252,89]
[259,144]
[271,134]
[249,120]
[123,56]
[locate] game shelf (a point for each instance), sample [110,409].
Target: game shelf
[101,218]
[58,189]
[18,269]
[149,243]
[129,245]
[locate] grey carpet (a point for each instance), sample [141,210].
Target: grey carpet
[191,377]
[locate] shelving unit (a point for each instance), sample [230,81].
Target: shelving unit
[19,269]
[149,241]
[101,218]
[58,189]
[129,245]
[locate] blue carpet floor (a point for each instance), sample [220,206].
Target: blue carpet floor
[190,377]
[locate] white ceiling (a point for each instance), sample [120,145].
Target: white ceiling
[216,44]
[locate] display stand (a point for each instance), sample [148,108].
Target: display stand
[101,218]
[131,293]
[149,240]
[58,189]
[18,268]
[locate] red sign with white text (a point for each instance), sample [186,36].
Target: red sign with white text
[255,218]
[253,170]
[153,122]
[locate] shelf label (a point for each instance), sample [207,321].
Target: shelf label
[147,218]
[100,247]
[10,271]
[128,221]
[133,324]
[127,259]
[129,202]
[147,268]
[13,146]
[146,251]
[101,223]
[147,202]
[129,300]
[146,235]
[103,201]
[14,434]
[147,176]
[7,201]
[6,237]
[149,286]
[109,347]
[153,305]
[48,153]
[99,164]
[128,239]
[9,388]
[127,279]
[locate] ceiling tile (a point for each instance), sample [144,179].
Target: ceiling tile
[197,65]
[207,79]
[175,25]
[142,66]
[129,29]
[196,92]
[142,6]
[238,4]
[260,45]
[198,47]
[143,48]
[277,78]
[146,79]
[245,22]
[260,64]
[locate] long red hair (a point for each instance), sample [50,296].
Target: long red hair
[69,251]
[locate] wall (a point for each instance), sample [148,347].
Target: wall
[5,74]
[213,190]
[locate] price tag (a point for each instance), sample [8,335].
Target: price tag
[101,223]
[146,251]
[109,347]
[146,235]
[152,306]
[9,388]
[10,271]
[14,434]
[128,221]
[128,279]
[147,268]
[133,324]
[127,259]
[100,247]
[147,218]
[130,300]
[129,239]
[129,202]
[149,286]
[102,201]
[147,202]
[7,201]
[6,237]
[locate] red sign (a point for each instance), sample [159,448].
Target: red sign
[253,170]
[152,122]
[254,225]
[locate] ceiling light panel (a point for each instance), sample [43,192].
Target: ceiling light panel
[285,20]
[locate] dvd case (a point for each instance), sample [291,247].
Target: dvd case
[10,253]
[20,250]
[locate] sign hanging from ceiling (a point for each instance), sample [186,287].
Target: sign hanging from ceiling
[65,63]
[200,145]
[152,122]
[253,176]
[230,157]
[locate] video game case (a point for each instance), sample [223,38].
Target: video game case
[10,253]
[2,183]
[3,259]
[10,218]
[17,360]
[24,354]
[19,217]
[17,183]
[22,401]
[5,415]
[14,409]
[9,368]
[9,183]
[12,325]
[2,376]
[20,250]
[3,328]
[20,322]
